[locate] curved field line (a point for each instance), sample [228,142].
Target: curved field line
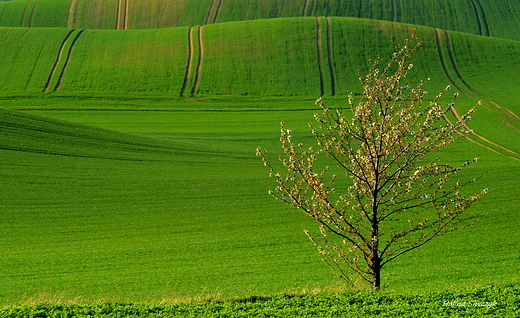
[199,64]
[483,25]
[33,69]
[443,63]
[304,12]
[398,11]
[118,17]
[318,51]
[459,119]
[452,59]
[23,13]
[329,53]
[190,61]
[58,59]
[208,17]
[476,142]
[32,13]
[506,111]
[508,124]
[57,87]
[313,8]
[450,53]
[217,11]
[72,9]
[126,14]
[122,15]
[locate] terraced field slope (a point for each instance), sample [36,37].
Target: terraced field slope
[280,57]
[481,17]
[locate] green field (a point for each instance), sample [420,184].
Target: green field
[127,150]
[481,17]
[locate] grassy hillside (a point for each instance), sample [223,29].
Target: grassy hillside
[314,57]
[480,17]
[130,175]
[175,205]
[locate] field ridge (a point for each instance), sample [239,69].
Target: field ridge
[454,64]
[480,15]
[198,72]
[61,63]
[319,55]
[72,13]
[57,61]
[447,43]
[397,11]
[23,13]
[330,57]
[213,12]
[438,40]
[189,63]
[67,60]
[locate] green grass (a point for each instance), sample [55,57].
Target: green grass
[483,17]
[28,57]
[116,189]
[240,58]
[135,60]
[85,223]
[493,301]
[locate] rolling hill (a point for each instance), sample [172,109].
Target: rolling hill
[481,17]
[128,130]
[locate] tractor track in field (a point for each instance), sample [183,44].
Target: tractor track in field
[453,110]
[455,68]
[31,17]
[478,143]
[213,12]
[190,61]
[329,55]
[310,5]
[58,59]
[319,55]
[122,15]
[217,11]
[459,119]
[459,75]
[398,11]
[305,5]
[480,15]
[69,55]
[23,13]
[208,16]
[72,10]
[195,88]
[443,62]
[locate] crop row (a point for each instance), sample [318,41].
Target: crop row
[481,17]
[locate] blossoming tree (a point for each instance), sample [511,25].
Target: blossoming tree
[391,199]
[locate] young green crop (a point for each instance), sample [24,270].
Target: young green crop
[242,58]
[483,17]
[174,209]
[28,56]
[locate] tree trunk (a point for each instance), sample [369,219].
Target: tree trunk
[377,276]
